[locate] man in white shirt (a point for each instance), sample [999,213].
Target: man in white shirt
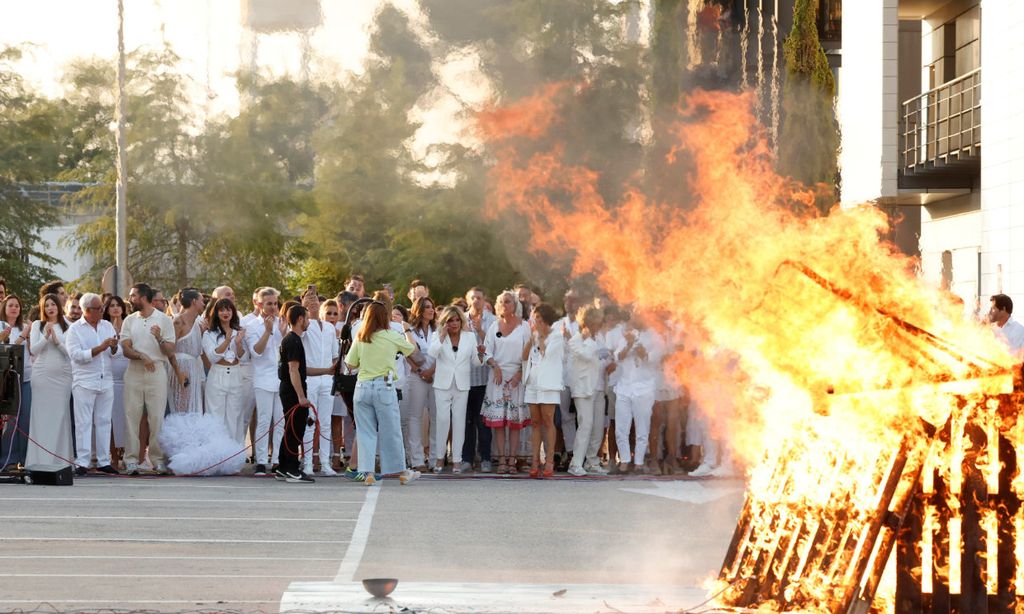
[264,334]
[1009,330]
[147,339]
[320,342]
[638,356]
[91,341]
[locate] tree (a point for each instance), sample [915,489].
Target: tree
[809,138]
[28,154]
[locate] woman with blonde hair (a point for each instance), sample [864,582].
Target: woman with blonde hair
[455,350]
[376,400]
[586,381]
[543,374]
[504,410]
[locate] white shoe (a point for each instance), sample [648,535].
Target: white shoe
[725,470]
[577,471]
[703,471]
[308,468]
[326,471]
[464,466]
[437,469]
[597,470]
[408,476]
[485,466]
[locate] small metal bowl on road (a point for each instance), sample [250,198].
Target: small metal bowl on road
[380,587]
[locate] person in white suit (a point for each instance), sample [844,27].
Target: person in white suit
[586,380]
[456,352]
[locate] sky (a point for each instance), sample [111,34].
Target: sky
[213,43]
[207,34]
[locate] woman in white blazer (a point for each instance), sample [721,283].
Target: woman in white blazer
[543,374]
[454,347]
[586,381]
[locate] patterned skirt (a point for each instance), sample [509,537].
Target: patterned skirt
[504,406]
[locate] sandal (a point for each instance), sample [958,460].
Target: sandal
[534,472]
[549,471]
[511,463]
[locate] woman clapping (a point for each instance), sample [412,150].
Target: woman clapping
[456,351]
[542,357]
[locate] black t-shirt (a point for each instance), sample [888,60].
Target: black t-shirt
[291,350]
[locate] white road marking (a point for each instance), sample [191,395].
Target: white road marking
[161,558]
[43,602]
[360,535]
[147,575]
[191,518]
[165,500]
[173,541]
[493,598]
[686,491]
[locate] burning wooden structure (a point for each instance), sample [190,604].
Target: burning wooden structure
[941,493]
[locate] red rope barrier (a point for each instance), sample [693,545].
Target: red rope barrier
[199,473]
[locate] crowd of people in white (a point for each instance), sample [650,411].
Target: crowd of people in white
[503,387]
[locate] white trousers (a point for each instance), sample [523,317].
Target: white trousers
[590,413]
[451,414]
[568,420]
[318,391]
[248,395]
[635,409]
[417,395]
[268,412]
[225,399]
[92,411]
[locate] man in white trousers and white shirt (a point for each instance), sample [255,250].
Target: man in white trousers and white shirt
[91,341]
[571,303]
[264,335]
[320,343]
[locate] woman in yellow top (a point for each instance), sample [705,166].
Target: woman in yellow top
[376,400]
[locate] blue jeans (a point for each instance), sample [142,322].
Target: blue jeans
[14,443]
[378,421]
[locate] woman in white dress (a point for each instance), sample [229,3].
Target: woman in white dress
[114,311]
[504,410]
[186,393]
[14,330]
[50,422]
[542,358]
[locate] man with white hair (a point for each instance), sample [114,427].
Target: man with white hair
[91,341]
[223,292]
[264,335]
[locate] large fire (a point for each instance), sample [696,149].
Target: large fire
[835,372]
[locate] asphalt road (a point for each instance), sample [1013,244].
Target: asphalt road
[255,544]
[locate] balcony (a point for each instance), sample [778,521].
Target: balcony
[940,143]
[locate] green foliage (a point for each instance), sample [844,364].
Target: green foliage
[27,155]
[809,138]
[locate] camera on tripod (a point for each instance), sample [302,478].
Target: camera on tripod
[12,371]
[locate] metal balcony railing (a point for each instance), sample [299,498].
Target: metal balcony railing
[942,127]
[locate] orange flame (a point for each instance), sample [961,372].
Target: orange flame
[730,267]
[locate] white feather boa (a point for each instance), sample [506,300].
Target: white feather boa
[193,442]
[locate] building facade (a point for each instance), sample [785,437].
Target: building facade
[923,84]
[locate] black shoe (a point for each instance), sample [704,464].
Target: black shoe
[280,475]
[260,470]
[274,468]
[81,471]
[298,478]
[108,470]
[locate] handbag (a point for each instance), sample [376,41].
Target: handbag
[344,384]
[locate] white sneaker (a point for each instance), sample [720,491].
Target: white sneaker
[408,476]
[132,468]
[485,466]
[597,470]
[162,469]
[308,468]
[703,471]
[464,466]
[577,471]
[326,471]
[724,470]
[437,469]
